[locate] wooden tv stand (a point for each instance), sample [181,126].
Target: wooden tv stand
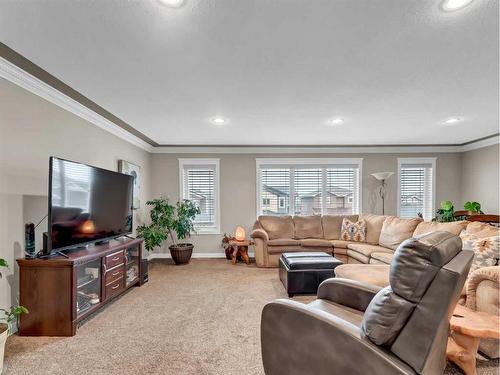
[60,292]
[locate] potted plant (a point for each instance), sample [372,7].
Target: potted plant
[167,219]
[473,208]
[10,316]
[445,213]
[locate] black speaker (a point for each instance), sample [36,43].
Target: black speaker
[144,271]
[29,240]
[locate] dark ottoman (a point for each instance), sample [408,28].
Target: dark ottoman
[301,273]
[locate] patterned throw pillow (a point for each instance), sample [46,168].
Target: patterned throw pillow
[353,231]
[486,250]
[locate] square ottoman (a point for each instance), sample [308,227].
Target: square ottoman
[301,273]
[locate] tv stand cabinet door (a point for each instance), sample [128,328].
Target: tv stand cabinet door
[47,292]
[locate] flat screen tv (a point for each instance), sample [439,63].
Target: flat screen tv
[86,204]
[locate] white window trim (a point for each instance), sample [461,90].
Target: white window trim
[283,162]
[431,161]
[208,162]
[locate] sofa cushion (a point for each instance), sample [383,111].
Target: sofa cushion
[315,242]
[454,227]
[283,242]
[308,227]
[381,258]
[373,226]
[277,226]
[361,258]
[482,230]
[353,231]
[396,230]
[332,225]
[367,249]
[340,243]
[486,250]
[291,249]
[373,274]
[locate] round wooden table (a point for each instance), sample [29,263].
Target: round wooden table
[468,327]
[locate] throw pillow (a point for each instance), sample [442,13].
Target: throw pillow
[351,231]
[486,250]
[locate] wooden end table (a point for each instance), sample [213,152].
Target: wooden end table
[468,328]
[240,248]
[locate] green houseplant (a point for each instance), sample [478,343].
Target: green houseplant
[473,208]
[444,214]
[170,221]
[9,317]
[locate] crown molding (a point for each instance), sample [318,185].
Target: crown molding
[18,76]
[22,78]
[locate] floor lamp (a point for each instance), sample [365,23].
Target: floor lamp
[382,177]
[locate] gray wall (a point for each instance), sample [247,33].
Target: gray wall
[238,184]
[31,130]
[480,178]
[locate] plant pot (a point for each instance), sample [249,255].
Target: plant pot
[4,333]
[181,253]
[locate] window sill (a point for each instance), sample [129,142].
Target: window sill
[201,231]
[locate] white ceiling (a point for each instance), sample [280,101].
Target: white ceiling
[278,69]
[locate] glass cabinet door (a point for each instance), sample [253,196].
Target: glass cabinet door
[88,286]
[132,265]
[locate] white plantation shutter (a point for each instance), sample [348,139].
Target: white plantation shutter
[275,194]
[308,191]
[342,186]
[416,188]
[317,186]
[199,184]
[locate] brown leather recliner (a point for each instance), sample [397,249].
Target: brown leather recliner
[355,328]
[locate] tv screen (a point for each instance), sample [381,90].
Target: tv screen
[87,204]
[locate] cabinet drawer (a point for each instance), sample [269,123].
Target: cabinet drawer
[115,288]
[114,274]
[114,259]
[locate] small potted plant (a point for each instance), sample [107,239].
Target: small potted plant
[473,208]
[10,316]
[167,219]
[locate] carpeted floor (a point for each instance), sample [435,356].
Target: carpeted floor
[202,318]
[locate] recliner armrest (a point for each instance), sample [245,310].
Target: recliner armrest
[347,292]
[298,339]
[260,233]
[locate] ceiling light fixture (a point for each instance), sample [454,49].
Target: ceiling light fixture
[451,5]
[452,120]
[336,121]
[218,120]
[172,3]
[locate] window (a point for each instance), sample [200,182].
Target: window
[199,182]
[308,186]
[416,187]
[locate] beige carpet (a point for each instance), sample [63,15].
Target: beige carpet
[202,318]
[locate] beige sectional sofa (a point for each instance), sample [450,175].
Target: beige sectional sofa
[274,235]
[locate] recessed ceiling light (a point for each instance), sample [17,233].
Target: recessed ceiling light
[452,120]
[218,120]
[336,121]
[172,3]
[451,5]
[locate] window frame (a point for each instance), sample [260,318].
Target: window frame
[205,162]
[305,162]
[418,161]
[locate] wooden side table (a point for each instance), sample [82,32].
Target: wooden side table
[240,248]
[468,328]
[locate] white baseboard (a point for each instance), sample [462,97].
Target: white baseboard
[196,255]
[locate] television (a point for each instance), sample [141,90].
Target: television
[86,205]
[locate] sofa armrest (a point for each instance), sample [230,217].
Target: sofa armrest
[491,273]
[297,339]
[260,233]
[347,292]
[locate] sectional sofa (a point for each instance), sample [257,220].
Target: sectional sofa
[275,234]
